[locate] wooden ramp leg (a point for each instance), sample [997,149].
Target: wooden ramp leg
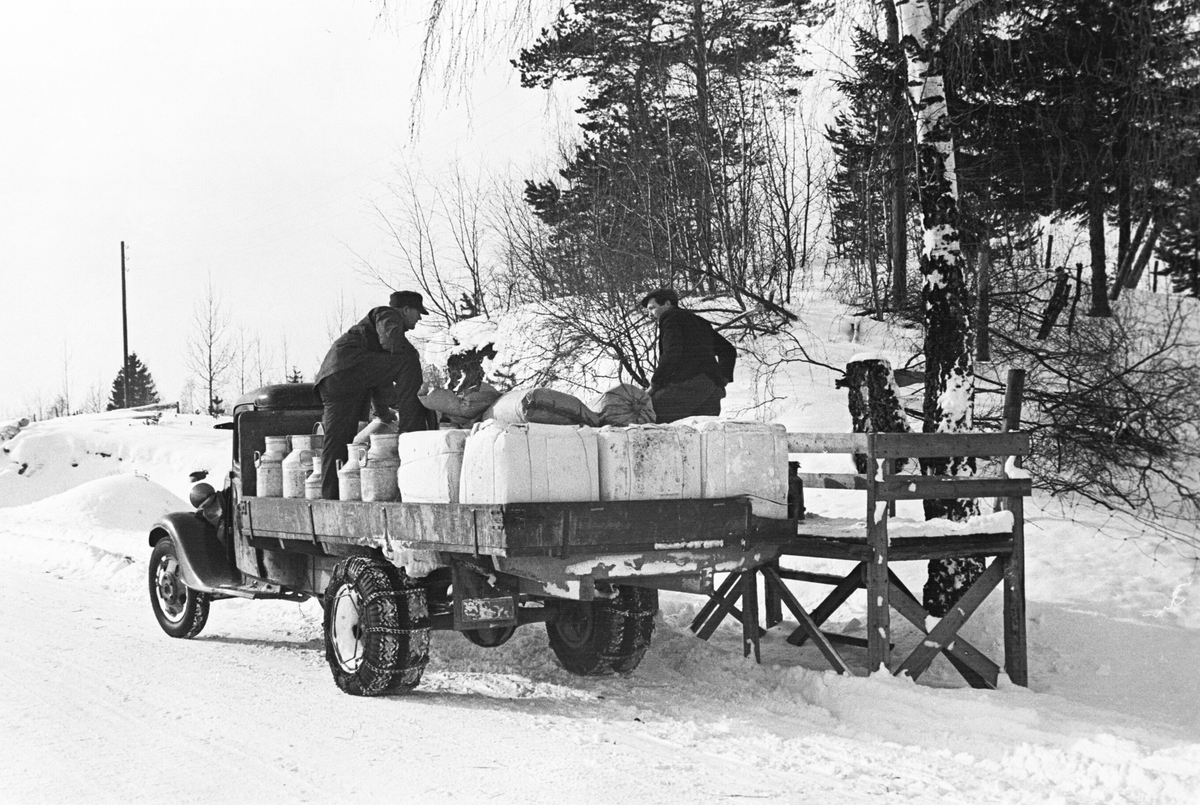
[1016,662]
[715,600]
[810,627]
[750,627]
[830,605]
[975,667]
[724,602]
[771,603]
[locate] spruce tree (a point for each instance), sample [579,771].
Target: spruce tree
[141,386]
[862,136]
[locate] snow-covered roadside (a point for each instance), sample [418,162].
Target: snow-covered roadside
[695,722]
[98,705]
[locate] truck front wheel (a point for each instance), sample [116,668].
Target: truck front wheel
[180,610]
[604,636]
[376,628]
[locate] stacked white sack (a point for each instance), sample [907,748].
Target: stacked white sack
[649,462]
[744,458]
[529,463]
[430,465]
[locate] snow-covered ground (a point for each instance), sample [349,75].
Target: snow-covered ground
[98,705]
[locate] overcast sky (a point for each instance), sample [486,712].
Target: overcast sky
[242,141]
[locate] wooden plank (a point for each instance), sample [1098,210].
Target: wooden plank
[807,623]
[978,667]
[827,443]
[534,528]
[804,575]
[927,445]
[1016,663]
[949,546]
[937,487]
[946,631]
[833,480]
[527,529]
[826,548]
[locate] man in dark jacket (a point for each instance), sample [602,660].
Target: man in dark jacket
[695,362]
[372,364]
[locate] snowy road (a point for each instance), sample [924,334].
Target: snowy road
[97,705]
[100,706]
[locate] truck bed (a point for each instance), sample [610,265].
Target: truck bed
[560,530]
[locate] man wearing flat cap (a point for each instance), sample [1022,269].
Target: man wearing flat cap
[371,364]
[695,362]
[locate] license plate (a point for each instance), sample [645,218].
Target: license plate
[489,610]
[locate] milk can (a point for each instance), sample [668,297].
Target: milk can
[349,478]
[269,467]
[296,466]
[379,468]
[312,483]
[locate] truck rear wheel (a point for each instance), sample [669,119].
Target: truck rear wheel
[179,610]
[376,628]
[604,636]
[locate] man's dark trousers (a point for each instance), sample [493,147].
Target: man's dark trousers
[346,397]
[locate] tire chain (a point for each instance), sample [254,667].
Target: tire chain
[400,661]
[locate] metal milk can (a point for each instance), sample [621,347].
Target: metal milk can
[269,467]
[349,473]
[296,466]
[312,483]
[379,469]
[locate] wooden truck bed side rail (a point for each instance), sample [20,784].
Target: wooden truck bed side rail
[517,529]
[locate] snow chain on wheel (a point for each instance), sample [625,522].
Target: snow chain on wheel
[604,636]
[179,610]
[376,628]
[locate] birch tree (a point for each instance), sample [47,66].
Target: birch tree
[949,368]
[209,354]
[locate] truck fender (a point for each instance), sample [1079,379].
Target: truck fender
[203,562]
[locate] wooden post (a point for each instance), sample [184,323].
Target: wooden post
[1014,392]
[772,605]
[750,614]
[1016,661]
[124,335]
[879,628]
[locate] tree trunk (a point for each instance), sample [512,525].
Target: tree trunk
[949,373]
[899,184]
[873,402]
[706,202]
[1100,306]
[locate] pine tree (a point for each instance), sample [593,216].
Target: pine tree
[295,376]
[657,192]
[141,386]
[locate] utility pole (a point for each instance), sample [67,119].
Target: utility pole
[124,334]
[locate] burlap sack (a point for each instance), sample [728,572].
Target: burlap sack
[461,409]
[541,406]
[626,404]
